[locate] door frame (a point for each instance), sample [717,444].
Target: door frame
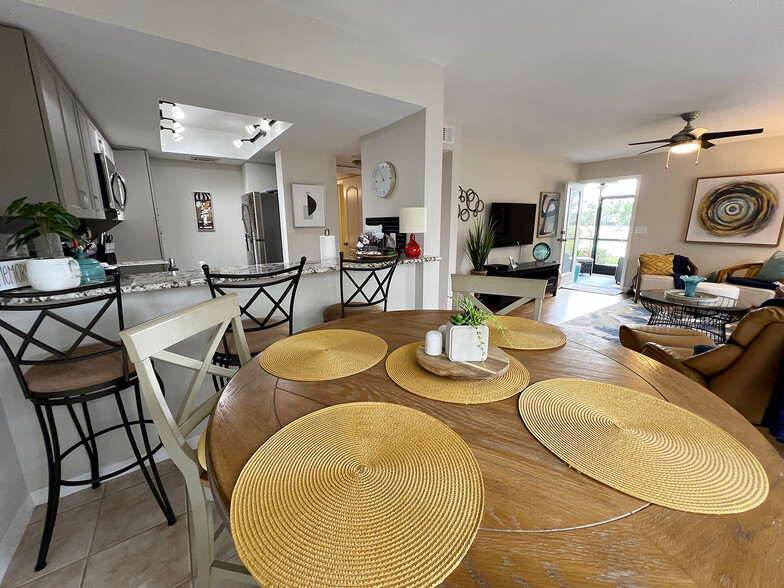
[567,277]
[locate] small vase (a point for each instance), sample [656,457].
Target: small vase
[691,282]
[465,343]
[413,249]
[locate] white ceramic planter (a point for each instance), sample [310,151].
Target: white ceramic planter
[59,273]
[463,344]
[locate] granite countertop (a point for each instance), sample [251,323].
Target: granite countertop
[161,280]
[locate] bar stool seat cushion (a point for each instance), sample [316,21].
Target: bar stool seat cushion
[58,379]
[258,341]
[332,312]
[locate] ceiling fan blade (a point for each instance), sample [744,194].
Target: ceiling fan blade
[648,142]
[706,144]
[654,149]
[698,132]
[724,134]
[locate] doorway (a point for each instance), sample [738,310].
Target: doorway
[350,210]
[605,220]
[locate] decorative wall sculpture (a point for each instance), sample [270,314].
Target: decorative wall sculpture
[473,204]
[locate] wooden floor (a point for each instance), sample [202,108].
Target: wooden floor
[568,304]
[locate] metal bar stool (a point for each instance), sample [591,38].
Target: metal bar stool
[43,335]
[266,315]
[364,287]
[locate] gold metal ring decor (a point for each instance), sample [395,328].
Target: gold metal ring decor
[358,494]
[644,446]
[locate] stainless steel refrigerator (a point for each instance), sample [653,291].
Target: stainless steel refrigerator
[261,220]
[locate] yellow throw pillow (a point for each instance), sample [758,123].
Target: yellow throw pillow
[657,265]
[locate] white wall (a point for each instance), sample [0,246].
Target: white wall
[665,198]
[307,168]
[175,182]
[137,236]
[503,175]
[258,177]
[13,493]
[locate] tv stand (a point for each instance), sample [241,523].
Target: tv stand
[535,270]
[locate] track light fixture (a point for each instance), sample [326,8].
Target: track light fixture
[175,109]
[265,125]
[175,135]
[258,131]
[238,142]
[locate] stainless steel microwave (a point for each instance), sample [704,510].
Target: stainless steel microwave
[113,188]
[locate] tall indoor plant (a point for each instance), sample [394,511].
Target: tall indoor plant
[478,243]
[47,223]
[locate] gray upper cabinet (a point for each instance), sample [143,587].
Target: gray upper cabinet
[61,125]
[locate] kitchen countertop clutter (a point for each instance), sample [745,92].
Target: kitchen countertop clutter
[162,280]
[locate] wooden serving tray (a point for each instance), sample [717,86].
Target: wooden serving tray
[495,365]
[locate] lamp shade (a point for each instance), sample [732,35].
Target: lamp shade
[413,220]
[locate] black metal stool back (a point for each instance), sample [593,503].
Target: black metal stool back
[365,283]
[60,359]
[270,306]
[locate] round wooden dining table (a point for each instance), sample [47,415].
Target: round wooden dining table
[544,524]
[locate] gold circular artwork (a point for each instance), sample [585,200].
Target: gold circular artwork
[358,494]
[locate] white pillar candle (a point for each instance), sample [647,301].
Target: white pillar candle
[434,343]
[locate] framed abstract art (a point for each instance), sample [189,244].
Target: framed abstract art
[547,223]
[737,210]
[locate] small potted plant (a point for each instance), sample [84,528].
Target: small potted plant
[48,223]
[478,243]
[467,333]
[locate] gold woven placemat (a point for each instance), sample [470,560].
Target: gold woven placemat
[525,334]
[359,494]
[644,446]
[323,355]
[405,371]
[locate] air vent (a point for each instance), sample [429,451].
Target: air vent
[448,135]
[205,159]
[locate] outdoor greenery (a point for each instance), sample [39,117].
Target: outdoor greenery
[479,242]
[46,218]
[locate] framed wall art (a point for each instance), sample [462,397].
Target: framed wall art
[737,210]
[204,217]
[307,201]
[547,222]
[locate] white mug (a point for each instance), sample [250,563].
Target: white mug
[48,275]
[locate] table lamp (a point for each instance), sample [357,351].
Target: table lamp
[413,220]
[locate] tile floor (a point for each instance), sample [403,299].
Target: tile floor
[113,536]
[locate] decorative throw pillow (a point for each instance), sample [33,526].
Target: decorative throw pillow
[657,265]
[773,268]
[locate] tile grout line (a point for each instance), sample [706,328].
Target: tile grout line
[92,538]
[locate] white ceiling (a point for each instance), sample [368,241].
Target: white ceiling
[579,79]
[572,79]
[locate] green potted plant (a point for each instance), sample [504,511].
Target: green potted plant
[47,223]
[467,333]
[478,243]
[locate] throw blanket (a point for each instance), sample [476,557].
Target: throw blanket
[680,267]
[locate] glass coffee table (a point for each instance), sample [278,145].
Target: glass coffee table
[709,318]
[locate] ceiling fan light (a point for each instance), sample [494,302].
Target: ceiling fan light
[177,112]
[265,125]
[686,147]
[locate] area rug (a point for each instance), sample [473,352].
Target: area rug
[608,290]
[604,323]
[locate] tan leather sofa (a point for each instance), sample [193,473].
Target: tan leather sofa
[742,372]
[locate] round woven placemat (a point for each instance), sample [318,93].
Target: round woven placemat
[323,355]
[525,334]
[644,446]
[359,494]
[405,371]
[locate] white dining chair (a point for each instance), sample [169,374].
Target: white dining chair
[152,341]
[525,289]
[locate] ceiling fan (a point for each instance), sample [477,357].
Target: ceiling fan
[689,139]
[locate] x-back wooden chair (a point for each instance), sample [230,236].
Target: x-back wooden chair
[153,340]
[523,288]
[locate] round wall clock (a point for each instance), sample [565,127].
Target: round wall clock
[384,179]
[541,251]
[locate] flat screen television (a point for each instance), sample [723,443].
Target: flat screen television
[515,223]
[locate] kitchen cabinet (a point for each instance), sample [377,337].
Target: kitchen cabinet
[54,118]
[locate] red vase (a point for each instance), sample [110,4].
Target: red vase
[412,248]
